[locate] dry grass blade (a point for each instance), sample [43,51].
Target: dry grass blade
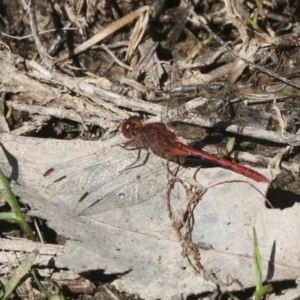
[281,118]
[106,32]
[137,33]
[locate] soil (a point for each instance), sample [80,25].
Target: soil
[242,59]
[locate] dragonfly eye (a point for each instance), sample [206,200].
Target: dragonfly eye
[126,129]
[130,126]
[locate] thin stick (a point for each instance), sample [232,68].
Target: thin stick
[35,33]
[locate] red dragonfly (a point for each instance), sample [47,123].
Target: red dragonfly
[164,143]
[97,182]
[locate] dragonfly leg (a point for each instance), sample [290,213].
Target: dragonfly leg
[134,164]
[128,144]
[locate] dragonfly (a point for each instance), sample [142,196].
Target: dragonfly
[164,143]
[98,190]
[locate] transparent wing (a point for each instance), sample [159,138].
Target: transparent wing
[99,182]
[81,174]
[125,190]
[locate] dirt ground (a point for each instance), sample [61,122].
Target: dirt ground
[213,70]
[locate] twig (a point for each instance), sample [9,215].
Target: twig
[31,35]
[184,225]
[85,89]
[79,117]
[248,62]
[40,68]
[37,227]
[3,122]
[115,58]
[259,133]
[104,33]
[35,33]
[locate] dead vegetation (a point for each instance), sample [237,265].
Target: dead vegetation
[73,70]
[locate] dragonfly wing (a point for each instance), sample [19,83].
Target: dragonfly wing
[97,183]
[125,190]
[85,173]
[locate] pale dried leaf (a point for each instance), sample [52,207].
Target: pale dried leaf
[140,239]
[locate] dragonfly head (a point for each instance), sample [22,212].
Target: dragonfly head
[131,126]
